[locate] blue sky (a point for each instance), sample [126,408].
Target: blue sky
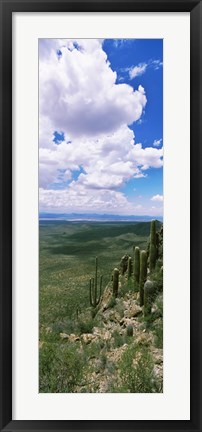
[150,127]
[101,126]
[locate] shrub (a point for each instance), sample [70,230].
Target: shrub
[157,326]
[92,350]
[158,331]
[118,339]
[120,308]
[129,330]
[111,302]
[85,326]
[65,326]
[94,311]
[103,361]
[46,360]
[137,371]
[159,305]
[127,287]
[157,278]
[61,368]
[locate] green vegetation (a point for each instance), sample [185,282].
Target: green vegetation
[67,256]
[118,339]
[157,325]
[112,302]
[84,326]
[61,370]
[128,287]
[137,371]
[153,247]
[89,348]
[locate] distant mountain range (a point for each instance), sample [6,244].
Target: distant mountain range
[96,217]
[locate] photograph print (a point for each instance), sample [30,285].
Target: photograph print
[100,215]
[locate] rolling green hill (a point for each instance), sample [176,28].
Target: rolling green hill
[66,263]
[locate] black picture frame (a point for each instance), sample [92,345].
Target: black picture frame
[6,9]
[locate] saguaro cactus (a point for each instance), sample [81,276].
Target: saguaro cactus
[143,274]
[94,295]
[148,297]
[136,265]
[129,267]
[152,248]
[115,282]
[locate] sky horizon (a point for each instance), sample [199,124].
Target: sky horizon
[101,126]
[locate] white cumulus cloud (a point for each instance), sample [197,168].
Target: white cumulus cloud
[157,197]
[78,90]
[106,162]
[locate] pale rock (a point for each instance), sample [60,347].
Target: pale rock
[87,338]
[129,321]
[134,311]
[96,331]
[111,315]
[144,339]
[107,336]
[73,338]
[64,336]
